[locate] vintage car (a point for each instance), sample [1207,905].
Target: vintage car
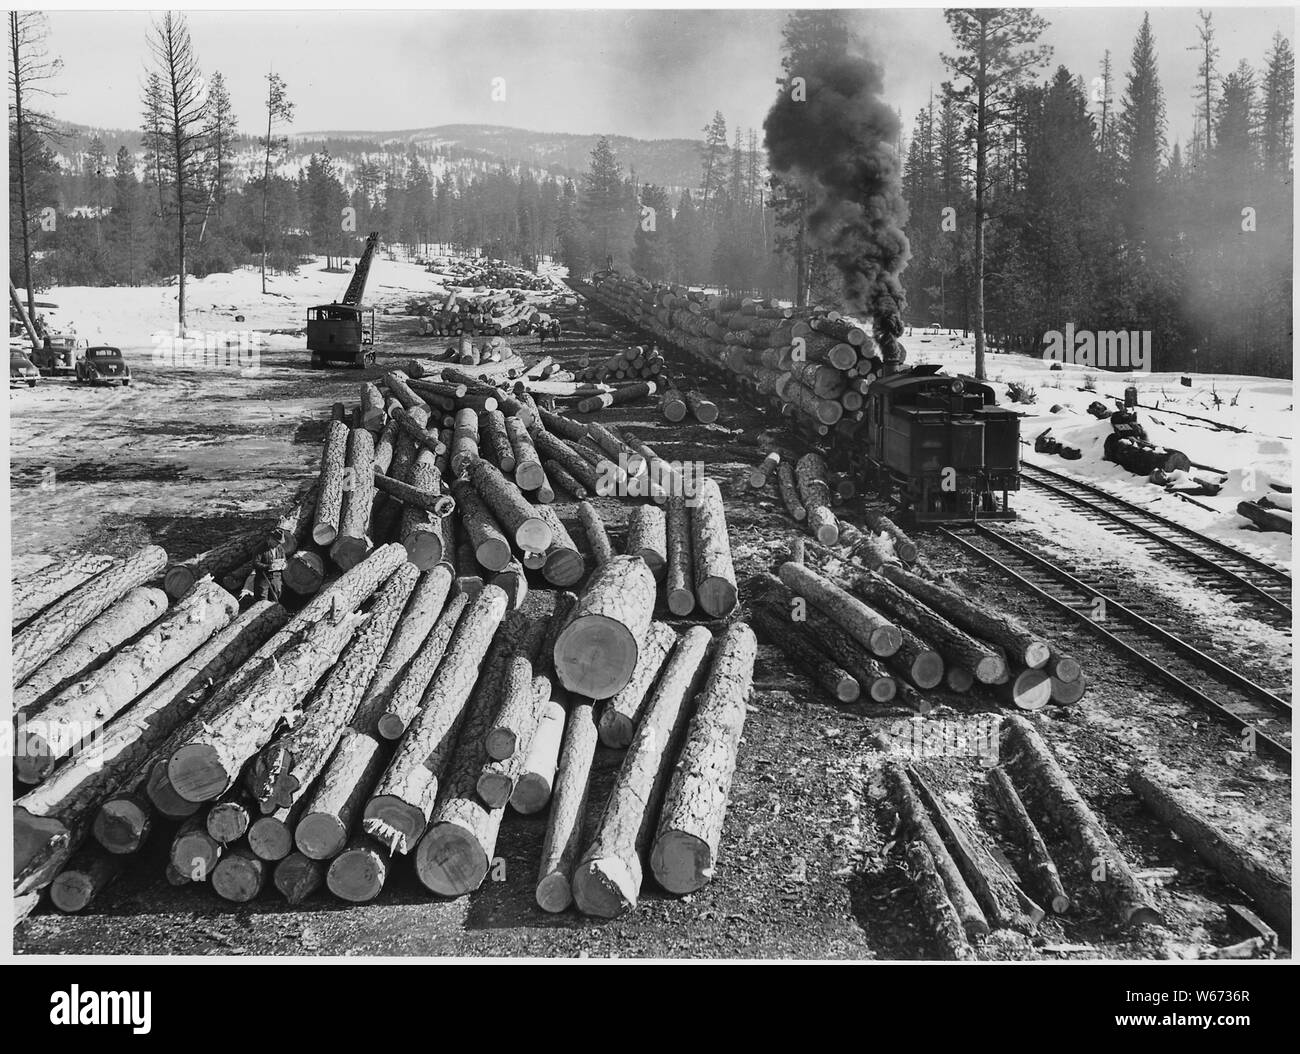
[103,365]
[21,370]
[57,356]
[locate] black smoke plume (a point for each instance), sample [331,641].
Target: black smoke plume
[837,146]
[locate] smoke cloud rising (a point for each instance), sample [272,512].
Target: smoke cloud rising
[837,145]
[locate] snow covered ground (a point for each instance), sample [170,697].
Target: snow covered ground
[1251,460]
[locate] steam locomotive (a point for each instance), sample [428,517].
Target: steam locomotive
[938,444]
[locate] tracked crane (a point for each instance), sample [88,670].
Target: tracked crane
[344,331]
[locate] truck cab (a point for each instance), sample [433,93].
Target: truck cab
[341,333]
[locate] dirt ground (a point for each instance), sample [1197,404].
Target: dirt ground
[809,866]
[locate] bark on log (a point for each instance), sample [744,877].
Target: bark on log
[495,441]
[218,561]
[54,729]
[44,637]
[761,474]
[403,703]
[685,852]
[518,518]
[96,642]
[358,874]
[874,679]
[511,578]
[106,781]
[866,625]
[464,440]
[921,665]
[1264,519]
[329,504]
[703,410]
[945,923]
[398,810]
[239,875]
[679,581]
[352,544]
[647,537]
[85,877]
[432,500]
[1032,759]
[602,552]
[958,648]
[920,827]
[564,825]
[491,546]
[565,479]
[715,575]
[209,761]
[536,781]
[607,880]
[903,545]
[564,457]
[672,406]
[456,851]
[328,817]
[1021,643]
[562,564]
[396,382]
[619,715]
[561,426]
[1247,870]
[53,582]
[790,492]
[511,727]
[998,895]
[810,476]
[281,773]
[800,648]
[1038,861]
[421,529]
[297,877]
[528,473]
[596,652]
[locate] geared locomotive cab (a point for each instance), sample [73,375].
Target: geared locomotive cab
[943,444]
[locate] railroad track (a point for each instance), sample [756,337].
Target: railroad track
[1259,714]
[1243,577]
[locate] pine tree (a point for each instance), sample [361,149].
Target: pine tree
[652,254]
[1277,124]
[604,207]
[279,110]
[221,130]
[1205,72]
[714,162]
[183,156]
[996,49]
[1142,120]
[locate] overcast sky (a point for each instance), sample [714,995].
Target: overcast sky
[651,74]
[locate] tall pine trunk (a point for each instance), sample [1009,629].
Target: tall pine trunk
[22,167]
[981,166]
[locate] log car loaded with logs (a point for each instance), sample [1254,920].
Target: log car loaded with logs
[940,443]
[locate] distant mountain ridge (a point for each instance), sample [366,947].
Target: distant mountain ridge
[672,163]
[668,162]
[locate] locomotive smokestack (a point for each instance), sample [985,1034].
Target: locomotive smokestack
[887,328]
[834,142]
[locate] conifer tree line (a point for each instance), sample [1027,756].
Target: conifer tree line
[1038,196]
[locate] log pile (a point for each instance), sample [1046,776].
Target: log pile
[398,702]
[876,634]
[814,365]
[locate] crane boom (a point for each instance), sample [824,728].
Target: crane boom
[357,287]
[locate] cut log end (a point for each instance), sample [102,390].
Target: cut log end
[681,862]
[393,823]
[716,596]
[886,640]
[270,838]
[595,656]
[196,773]
[450,861]
[616,730]
[357,875]
[227,822]
[121,825]
[320,836]
[1029,690]
[681,602]
[605,888]
[297,877]
[554,893]
[531,794]
[238,877]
